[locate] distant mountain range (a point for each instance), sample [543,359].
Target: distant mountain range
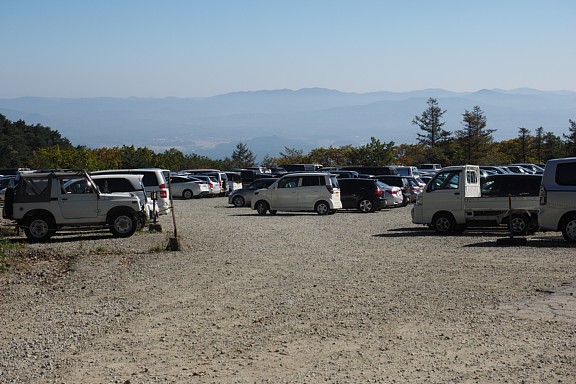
[270,120]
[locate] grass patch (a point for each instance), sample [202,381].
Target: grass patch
[11,254]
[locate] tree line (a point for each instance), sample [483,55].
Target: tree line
[40,147]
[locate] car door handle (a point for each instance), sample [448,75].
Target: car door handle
[456,193]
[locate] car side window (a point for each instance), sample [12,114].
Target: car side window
[311,181]
[288,182]
[445,180]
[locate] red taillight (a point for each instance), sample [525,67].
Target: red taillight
[163,191]
[379,192]
[330,189]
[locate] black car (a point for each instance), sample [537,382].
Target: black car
[362,194]
[398,181]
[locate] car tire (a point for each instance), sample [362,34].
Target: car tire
[238,201]
[322,208]
[187,194]
[569,228]
[366,206]
[262,207]
[519,225]
[40,228]
[444,223]
[123,224]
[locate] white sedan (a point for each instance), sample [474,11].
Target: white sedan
[188,188]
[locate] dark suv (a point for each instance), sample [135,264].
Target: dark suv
[362,194]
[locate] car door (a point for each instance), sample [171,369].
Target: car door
[77,199]
[310,191]
[444,193]
[285,195]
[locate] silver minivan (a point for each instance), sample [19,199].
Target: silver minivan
[558,198]
[314,191]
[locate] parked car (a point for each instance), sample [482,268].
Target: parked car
[5,182]
[400,182]
[429,168]
[127,184]
[531,167]
[243,197]
[211,182]
[187,188]
[44,202]
[558,198]
[366,195]
[345,174]
[155,181]
[518,169]
[314,191]
[394,195]
[495,169]
[220,177]
[409,171]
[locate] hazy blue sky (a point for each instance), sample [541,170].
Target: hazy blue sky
[185,48]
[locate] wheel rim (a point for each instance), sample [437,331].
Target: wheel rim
[322,208]
[39,228]
[123,224]
[571,229]
[261,208]
[518,225]
[443,224]
[187,194]
[365,205]
[238,201]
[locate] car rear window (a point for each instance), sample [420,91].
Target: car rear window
[114,185]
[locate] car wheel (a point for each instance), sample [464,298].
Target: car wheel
[519,225]
[187,194]
[366,206]
[569,229]
[238,201]
[322,208]
[123,224]
[262,207]
[444,223]
[40,228]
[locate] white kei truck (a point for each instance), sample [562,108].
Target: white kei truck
[452,201]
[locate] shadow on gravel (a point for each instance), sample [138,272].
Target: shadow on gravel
[475,233]
[65,238]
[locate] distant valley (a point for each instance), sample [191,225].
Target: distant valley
[268,121]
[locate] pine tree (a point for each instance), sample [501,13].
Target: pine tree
[430,122]
[475,138]
[570,139]
[242,157]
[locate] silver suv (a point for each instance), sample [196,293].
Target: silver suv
[44,202]
[314,191]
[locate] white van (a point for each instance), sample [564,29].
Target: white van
[558,198]
[315,191]
[154,180]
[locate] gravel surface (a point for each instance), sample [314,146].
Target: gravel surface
[291,298]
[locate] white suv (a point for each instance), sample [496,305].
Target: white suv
[315,191]
[43,202]
[558,198]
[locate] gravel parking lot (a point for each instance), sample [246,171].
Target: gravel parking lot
[291,298]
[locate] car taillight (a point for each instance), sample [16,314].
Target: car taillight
[163,191]
[543,196]
[379,192]
[330,189]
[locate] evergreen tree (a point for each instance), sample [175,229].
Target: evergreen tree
[570,138]
[524,137]
[475,138]
[242,157]
[430,122]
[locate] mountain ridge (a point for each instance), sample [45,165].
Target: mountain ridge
[269,120]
